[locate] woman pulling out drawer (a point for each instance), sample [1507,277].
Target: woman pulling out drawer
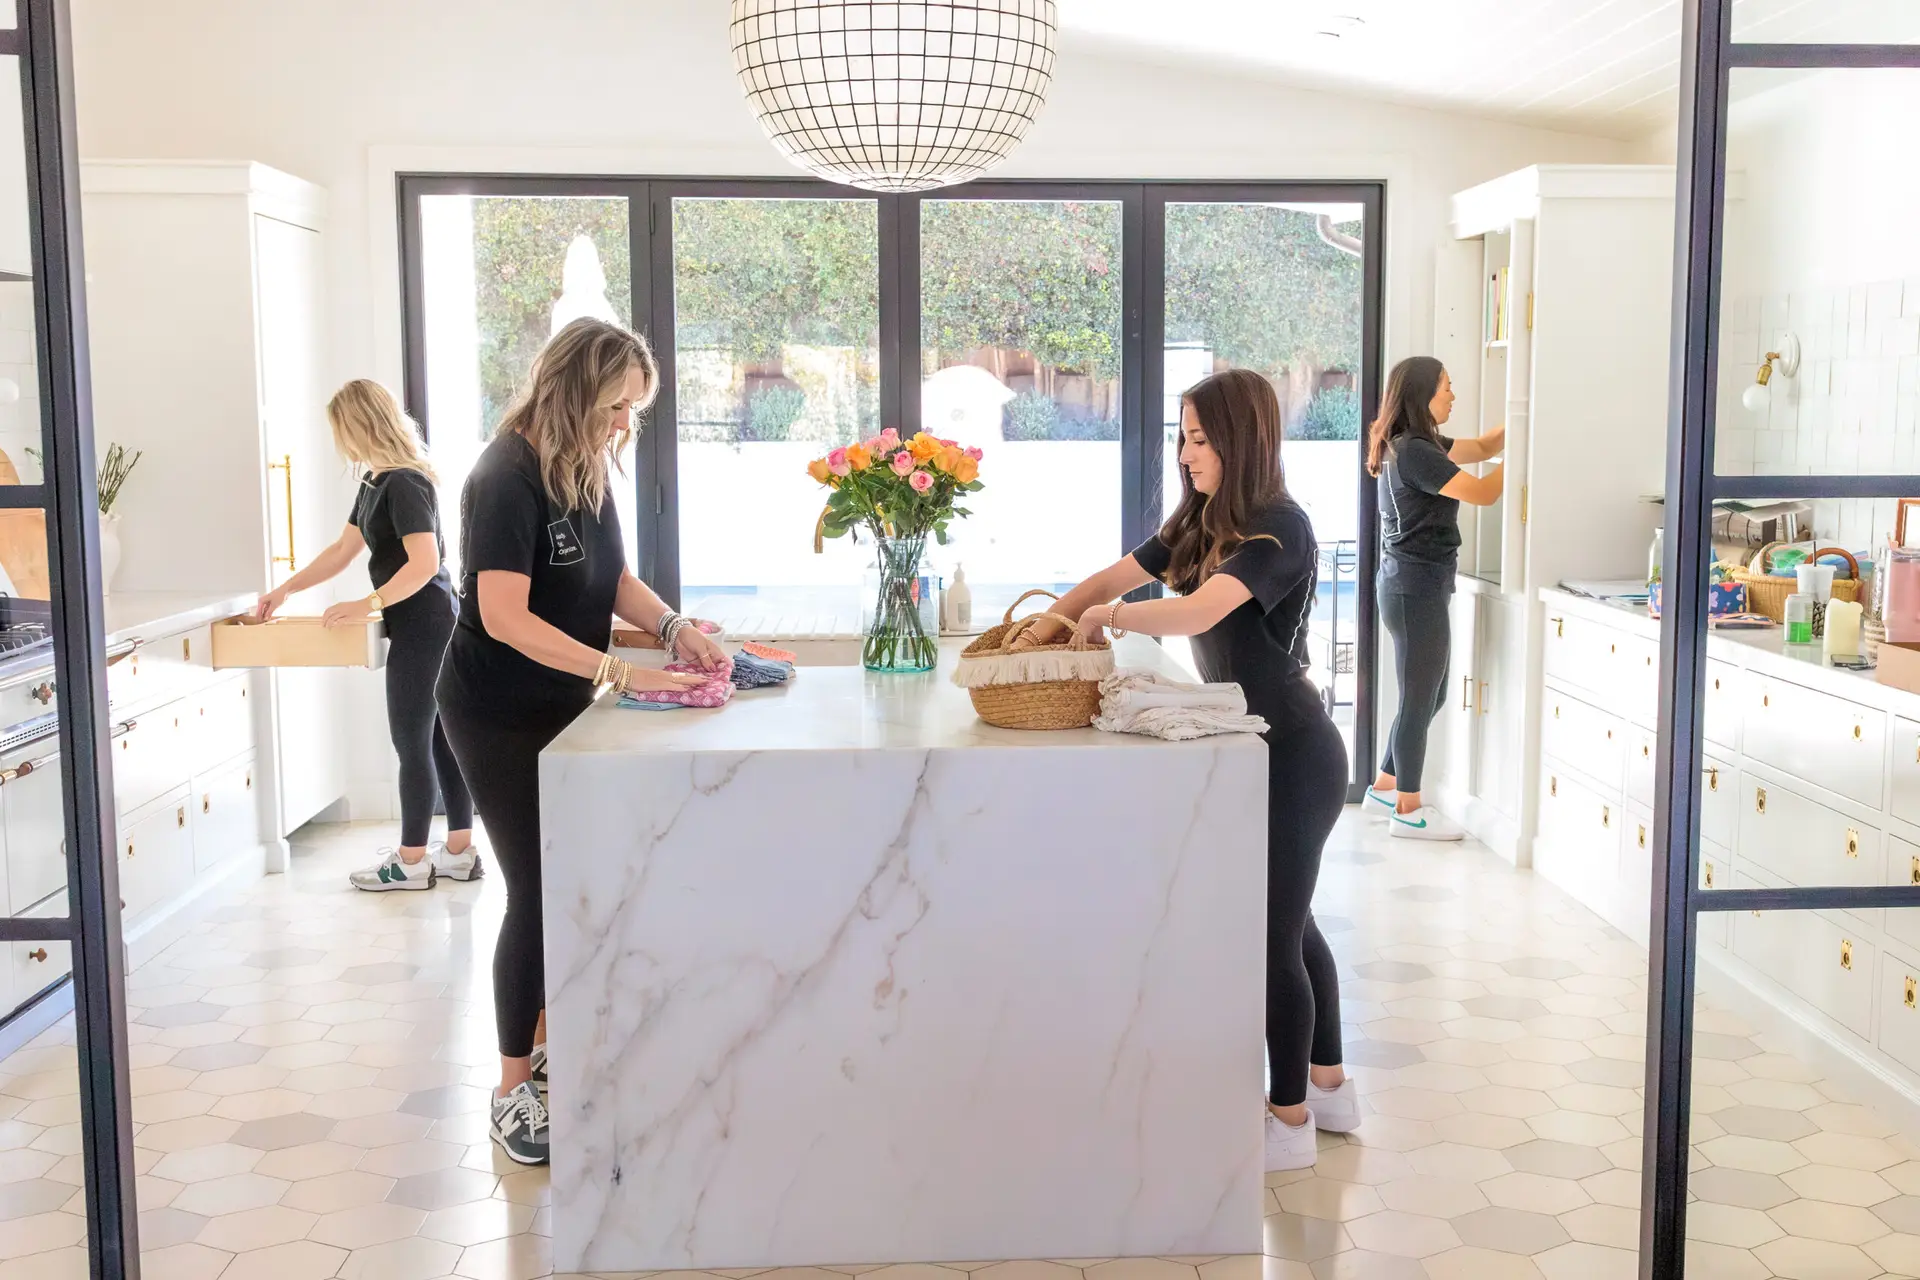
[1421,489]
[396,516]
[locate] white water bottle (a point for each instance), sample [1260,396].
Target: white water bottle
[959,603]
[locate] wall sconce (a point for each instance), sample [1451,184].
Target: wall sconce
[1758,396]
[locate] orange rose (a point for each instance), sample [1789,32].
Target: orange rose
[858,457]
[818,470]
[924,447]
[966,471]
[947,459]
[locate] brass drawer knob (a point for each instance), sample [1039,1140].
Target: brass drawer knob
[1646,752]
[180,816]
[1559,627]
[206,803]
[1553,789]
[38,955]
[1856,733]
[1643,837]
[1913,871]
[1846,955]
[129,848]
[1766,699]
[1759,799]
[1709,875]
[1556,711]
[1613,648]
[1713,778]
[1606,815]
[249,779]
[1853,843]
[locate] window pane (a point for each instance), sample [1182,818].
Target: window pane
[1825,22]
[1821,264]
[777,349]
[1020,312]
[501,274]
[1277,288]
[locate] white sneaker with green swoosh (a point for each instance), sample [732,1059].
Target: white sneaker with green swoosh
[1424,823]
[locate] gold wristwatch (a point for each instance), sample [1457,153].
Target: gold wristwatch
[375,602]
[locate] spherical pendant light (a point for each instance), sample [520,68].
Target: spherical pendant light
[895,96]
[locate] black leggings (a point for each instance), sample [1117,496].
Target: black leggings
[502,764]
[1307,778]
[1422,646]
[418,629]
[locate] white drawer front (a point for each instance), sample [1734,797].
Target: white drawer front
[36,828]
[1639,669]
[156,857]
[1903,868]
[225,815]
[34,966]
[219,723]
[1828,741]
[1583,736]
[1823,963]
[1716,872]
[1632,898]
[1719,799]
[1723,711]
[1578,843]
[1805,844]
[1899,1001]
[149,759]
[1903,784]
[1581,653]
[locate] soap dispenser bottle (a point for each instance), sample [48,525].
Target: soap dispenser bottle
[959,604]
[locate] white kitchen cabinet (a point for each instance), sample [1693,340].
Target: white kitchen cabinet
[1899,1008]
[219,723]
[35,823]
[224,810]
[1450,741]
[156,854]
[210,356]
[1903,777]
[35,966]
[1499,693]
[149,758]
[1577,845]
[1584,737]
[1802,842]
[1824,740]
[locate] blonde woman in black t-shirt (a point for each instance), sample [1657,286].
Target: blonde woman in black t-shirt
[1421,489]
[396,518]
[1241,556]
[543,573]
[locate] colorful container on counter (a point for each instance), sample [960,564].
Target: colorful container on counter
[1899,595]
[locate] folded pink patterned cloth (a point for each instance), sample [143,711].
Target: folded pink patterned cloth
[715,690]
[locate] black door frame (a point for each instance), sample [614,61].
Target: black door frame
[1708,57]
[1143,249]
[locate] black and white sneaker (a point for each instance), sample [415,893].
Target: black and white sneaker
[539,1061]
[464,865]
[520,1124]
[392,873]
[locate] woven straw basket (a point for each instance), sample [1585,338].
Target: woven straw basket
[1048,686]
[1768,594]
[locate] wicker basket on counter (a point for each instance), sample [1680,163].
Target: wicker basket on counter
[1045,686]
[1768,594]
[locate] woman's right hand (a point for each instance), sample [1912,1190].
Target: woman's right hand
[1048,628]
[269,603]
[652,680]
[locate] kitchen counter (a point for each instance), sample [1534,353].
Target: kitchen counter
[837,974]
[148,615]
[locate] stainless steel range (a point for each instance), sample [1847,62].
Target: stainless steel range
[29,694]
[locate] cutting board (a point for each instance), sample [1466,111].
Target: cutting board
[23,543]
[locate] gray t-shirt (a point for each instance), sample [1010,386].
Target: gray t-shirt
[1421,529]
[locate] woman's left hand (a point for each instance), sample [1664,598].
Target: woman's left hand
[1093,623]
[696,646]
[348,613]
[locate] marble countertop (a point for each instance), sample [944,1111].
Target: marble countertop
[838,708]
[149,615]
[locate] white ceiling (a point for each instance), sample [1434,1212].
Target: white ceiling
[1609,67]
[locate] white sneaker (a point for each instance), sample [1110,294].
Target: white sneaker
[520,1124]
[1384,799]
[1336,1110]
[1424,823]
[1289,1147]
[391,873]
[464,865]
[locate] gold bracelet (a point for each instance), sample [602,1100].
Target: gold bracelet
[606,667]
[1113,620]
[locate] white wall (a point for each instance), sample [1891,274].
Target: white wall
[348,92]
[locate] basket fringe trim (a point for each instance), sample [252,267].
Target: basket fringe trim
[1036,667]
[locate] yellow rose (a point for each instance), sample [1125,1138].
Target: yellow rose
[858,457]
[924,447]
[966,471]
[818,470]
[948,459]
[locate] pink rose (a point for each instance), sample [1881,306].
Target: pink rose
[838,464]
[902,463]
[921,482]
[976,454]
[947,444]
[889,439]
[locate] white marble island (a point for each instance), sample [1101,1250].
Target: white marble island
[837,974]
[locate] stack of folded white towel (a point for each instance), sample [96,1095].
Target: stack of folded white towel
[1147,703]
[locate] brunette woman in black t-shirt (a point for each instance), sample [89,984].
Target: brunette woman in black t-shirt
[1241,555]
[543,573]
[396,518]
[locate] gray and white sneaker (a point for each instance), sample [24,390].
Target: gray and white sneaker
[539,1061]
[464,865]
[520,1124]
[391,873]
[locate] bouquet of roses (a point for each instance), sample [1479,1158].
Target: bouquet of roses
[896,488]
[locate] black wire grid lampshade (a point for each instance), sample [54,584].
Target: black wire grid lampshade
[895,96]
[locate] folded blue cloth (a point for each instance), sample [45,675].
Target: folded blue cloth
[752,672]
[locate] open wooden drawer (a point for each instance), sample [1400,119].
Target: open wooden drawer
[297,642]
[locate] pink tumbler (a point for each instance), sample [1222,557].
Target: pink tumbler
[1900,598]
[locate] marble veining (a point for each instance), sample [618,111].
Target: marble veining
[901,1003]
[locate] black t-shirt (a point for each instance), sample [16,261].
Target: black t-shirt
[574,559]
[1422,529]
[1262,645]
[389,506]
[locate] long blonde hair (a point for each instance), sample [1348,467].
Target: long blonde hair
[575,379]
[370,430]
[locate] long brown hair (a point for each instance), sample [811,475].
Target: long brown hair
[1240,415]
[1406,409]
[576,377]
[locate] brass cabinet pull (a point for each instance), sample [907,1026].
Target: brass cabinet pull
[129,848]
[180,816]
[1466,693]
[1559,627]
[38,955]
[1553,789]
[1914,871]
[1609,735]
[1846,954]
[186,648]
[1606,815]
[286,465]
[1913,997]
[1556,711]
[1856,733]
[1766,699]
[1649,659]
[1613,648]
[1853,843]
[1759,799]
[1713,778]
[1643,837]
[249,779]
[206,804]
[1709,875]
[1716,684]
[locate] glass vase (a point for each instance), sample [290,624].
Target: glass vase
[899,613]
